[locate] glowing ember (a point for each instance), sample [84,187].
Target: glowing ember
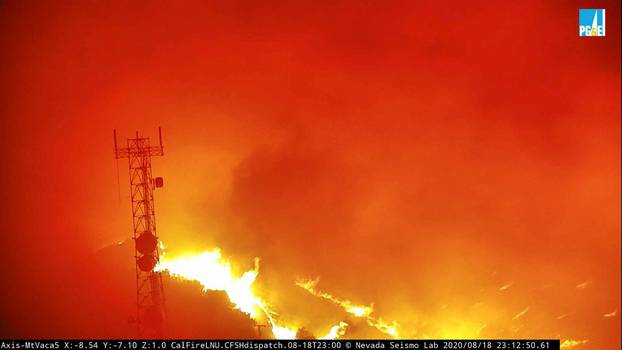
[520,314]
[611,314]
[583,285]
[506,286]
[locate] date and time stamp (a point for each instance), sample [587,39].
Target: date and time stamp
[523,344]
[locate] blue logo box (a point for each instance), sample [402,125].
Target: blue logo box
[591,22]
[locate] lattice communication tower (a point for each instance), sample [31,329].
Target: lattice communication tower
[150,301]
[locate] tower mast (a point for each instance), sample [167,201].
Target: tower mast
[150,301]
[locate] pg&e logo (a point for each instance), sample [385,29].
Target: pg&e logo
[591,22]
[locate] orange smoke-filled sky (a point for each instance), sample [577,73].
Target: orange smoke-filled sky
[419,155]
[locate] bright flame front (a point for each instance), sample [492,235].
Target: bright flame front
[213,272]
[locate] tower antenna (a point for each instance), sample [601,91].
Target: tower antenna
[150,301]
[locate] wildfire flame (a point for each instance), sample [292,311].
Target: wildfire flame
[572,343]
[362,311]
[351,308]
[336,331]
[214,272]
